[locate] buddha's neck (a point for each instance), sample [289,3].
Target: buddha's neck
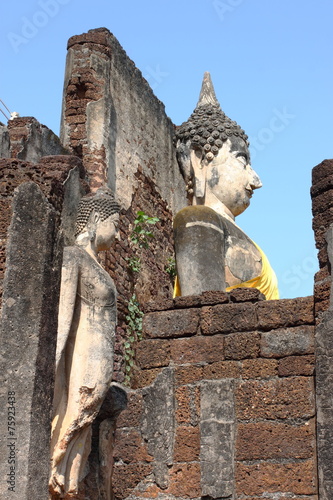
[89,246]
[211,201]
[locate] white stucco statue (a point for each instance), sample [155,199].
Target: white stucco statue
[85,343]
[212,251]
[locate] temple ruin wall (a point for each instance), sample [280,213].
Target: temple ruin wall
[221,382]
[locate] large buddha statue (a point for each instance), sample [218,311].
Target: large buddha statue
[85,342]
[212,252]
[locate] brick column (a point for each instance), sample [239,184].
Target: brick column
[322,207]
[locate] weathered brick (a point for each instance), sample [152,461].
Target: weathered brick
[323,220]
[266,440]
[321,306]
[320,223]
[242,345]
[143,378]
[322,292]
[228,318]
[221,369]
[285,312]
[187,444]
[311,497]
[288,341]
[148,489]
[246,295]
[319,172]
[259,368]
[294,478]
[188,374]
[296,365]
[169,324]
[211,297]
[183,404]
[187,301]
[322,185]
[76,118]
[131,416]
[187,404]
[98,38]
[157,305]
[277,398]
[197,349]
[185,480]
[153,353]
[126,477]
[323,256]
[322,202]
[322,274]
[130,447]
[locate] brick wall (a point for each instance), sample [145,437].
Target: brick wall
[49,174]
[112,120]
[322,208]
[236,372]
[32,200]
[27,139]
[152,281]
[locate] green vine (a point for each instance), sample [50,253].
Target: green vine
[141,233]
[134,263]
[134,331]
[140,237]
[170,268]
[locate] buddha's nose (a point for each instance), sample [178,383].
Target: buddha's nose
[255,180]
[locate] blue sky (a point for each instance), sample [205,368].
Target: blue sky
[271,65]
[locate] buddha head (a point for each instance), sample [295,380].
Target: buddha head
[213,155]
[97,219]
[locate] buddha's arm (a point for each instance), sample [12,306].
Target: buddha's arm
[69,282]
[199,244]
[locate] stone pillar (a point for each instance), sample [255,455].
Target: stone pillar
[217,436]
[4,142]
[158,424]
[322,207]
[28,340]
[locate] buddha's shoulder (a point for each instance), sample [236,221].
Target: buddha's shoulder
[234,233]
[74,254]
[242,257]
[73,250]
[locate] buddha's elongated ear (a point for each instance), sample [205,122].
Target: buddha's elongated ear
[199,169]
[91,227]
[94,218]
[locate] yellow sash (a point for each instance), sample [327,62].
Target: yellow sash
[266,282]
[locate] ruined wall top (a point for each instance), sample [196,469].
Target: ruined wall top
[26,139]
[114,122]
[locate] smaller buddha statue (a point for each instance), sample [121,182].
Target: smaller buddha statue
[85,342]
[212,252]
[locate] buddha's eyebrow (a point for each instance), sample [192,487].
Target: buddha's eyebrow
[241,153]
